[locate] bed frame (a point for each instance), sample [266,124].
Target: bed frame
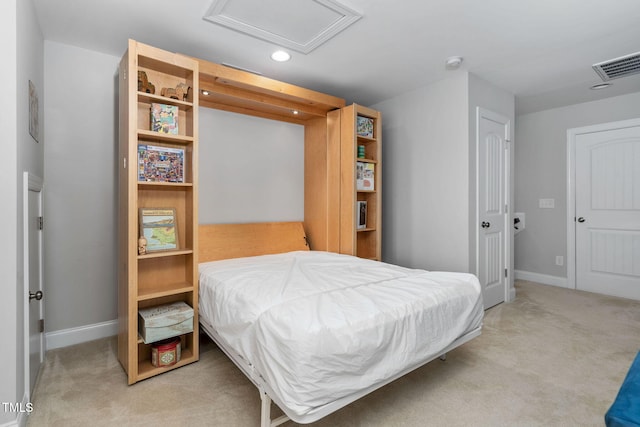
[224,241]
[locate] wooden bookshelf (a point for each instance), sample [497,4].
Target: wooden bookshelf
[161,277]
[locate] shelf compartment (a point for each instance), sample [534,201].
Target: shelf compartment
[370,150]
[147,370]
[180,198]
[159,275]
[367,245]
[185,121]
[187,163]
[372,208]
[167,74]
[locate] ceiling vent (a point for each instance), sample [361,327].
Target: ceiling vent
[619,67]
[300,25]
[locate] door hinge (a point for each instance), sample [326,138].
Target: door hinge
[40,223]
[41,325]
[506,273]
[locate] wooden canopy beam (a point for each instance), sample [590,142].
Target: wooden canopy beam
[248,93]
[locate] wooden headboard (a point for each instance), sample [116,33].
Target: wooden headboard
[224,241]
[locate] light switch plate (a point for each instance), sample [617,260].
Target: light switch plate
[547,203]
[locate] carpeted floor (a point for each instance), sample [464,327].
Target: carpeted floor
[554,357]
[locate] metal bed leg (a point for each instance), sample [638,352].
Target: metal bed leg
[265,412]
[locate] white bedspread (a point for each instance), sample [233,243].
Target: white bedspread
[319,326]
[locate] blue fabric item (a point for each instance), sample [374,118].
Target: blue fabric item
[625,411]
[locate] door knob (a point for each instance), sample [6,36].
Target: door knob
[485,224]
[581,219]
[35,295]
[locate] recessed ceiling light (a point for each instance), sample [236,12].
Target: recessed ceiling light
[205,92]
[280,56]
[600,86]
[453,62]
[295,112]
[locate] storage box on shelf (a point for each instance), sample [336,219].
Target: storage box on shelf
[164,321]
[153,279]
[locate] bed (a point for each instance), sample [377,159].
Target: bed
[315,331]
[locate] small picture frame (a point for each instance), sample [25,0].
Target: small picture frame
[158,226]
[361,215]
[34,121]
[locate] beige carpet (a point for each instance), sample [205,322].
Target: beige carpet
[554,357]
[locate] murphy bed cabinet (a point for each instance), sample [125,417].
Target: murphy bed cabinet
[157,277]
[360,224]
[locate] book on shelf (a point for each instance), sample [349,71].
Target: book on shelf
[164,118]
[365,176]
[160,164]
[158,226]
[361,215]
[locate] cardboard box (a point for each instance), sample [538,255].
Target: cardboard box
[165,321]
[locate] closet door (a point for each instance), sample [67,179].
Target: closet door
[493,166]
[607,221]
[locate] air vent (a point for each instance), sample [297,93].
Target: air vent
[619,67]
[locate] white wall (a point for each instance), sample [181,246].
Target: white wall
[541,172]
[425,203]
[429,138]
[9,391]
[23,47]
[80,177]
[251,169]
[30,152]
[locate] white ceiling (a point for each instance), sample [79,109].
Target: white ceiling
[539,50]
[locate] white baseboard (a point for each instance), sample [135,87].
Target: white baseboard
[71,336]
[545,279]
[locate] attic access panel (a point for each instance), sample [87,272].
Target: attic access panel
[300,25]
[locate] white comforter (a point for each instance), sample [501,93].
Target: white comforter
[319,326]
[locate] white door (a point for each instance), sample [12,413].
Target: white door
[492,197]
[34,313]
[607,211]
